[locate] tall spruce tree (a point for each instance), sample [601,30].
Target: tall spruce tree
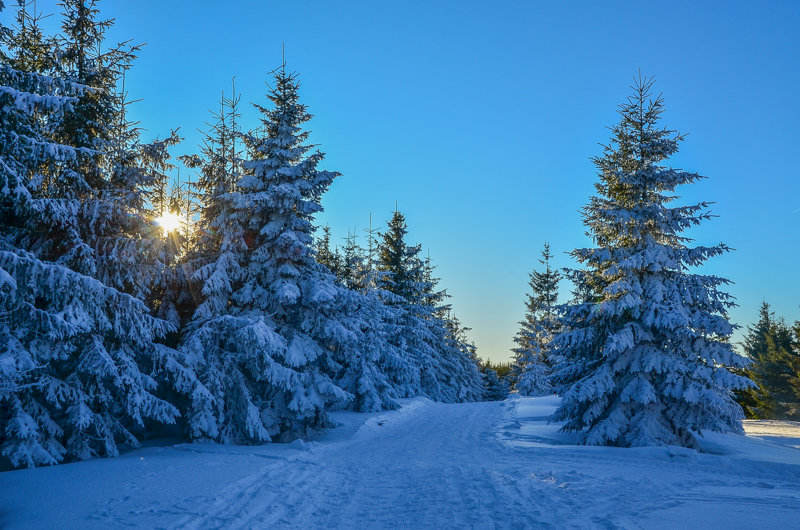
[330,331]
[113,240]
[447,369]
[532,362]
[74,391]
[232,354]
[645,362]
[84,351]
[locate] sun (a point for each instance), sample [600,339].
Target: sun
[168,222]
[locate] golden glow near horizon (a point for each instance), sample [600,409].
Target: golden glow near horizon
[168,222]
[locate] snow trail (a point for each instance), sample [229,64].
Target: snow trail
[444,466]
[429,465]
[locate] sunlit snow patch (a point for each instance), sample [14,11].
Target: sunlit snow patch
[779,432]
[526,423]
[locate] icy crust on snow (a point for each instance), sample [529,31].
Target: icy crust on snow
[427,465]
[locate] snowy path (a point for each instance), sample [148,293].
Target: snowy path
[483,465]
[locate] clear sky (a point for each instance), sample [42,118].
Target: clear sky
[480,118]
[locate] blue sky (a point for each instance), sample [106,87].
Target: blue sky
[480,118]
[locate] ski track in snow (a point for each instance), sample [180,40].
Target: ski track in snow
[429,465]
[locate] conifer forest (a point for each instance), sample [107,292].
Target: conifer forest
[219,312]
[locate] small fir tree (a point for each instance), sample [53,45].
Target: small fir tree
[327,257]
[495,388]
[771,345]
[532,362]
[794,380]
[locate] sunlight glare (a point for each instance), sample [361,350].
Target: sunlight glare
[168,222]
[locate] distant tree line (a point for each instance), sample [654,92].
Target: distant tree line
[773,348]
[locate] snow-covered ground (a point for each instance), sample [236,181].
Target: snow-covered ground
[428,465]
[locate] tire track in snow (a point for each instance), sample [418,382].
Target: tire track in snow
[272,491]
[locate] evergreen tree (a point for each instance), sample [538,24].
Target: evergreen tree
[233,351]
[503,371]
[327,257]
[794,380]
[771,346]
[495,388]
[645,362]
[448,368]
[353,263]
[70,345]
[112,238]
[358,272]
[282,194]
[401,262]
[27,48]
[83,351]
[532,355]
[330,331]
[113,181]
[534,377]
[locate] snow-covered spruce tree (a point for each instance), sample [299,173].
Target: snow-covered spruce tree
[447,370]
[329,331]
[795,352]
[532,355]
[110,236]
[364,274]
[373,370]
[123,175]
[459,355]
[73,396]
[463,354]
[83,351]
[117,219]
[355,265]
[357,271]
[644,363]
[231,351]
